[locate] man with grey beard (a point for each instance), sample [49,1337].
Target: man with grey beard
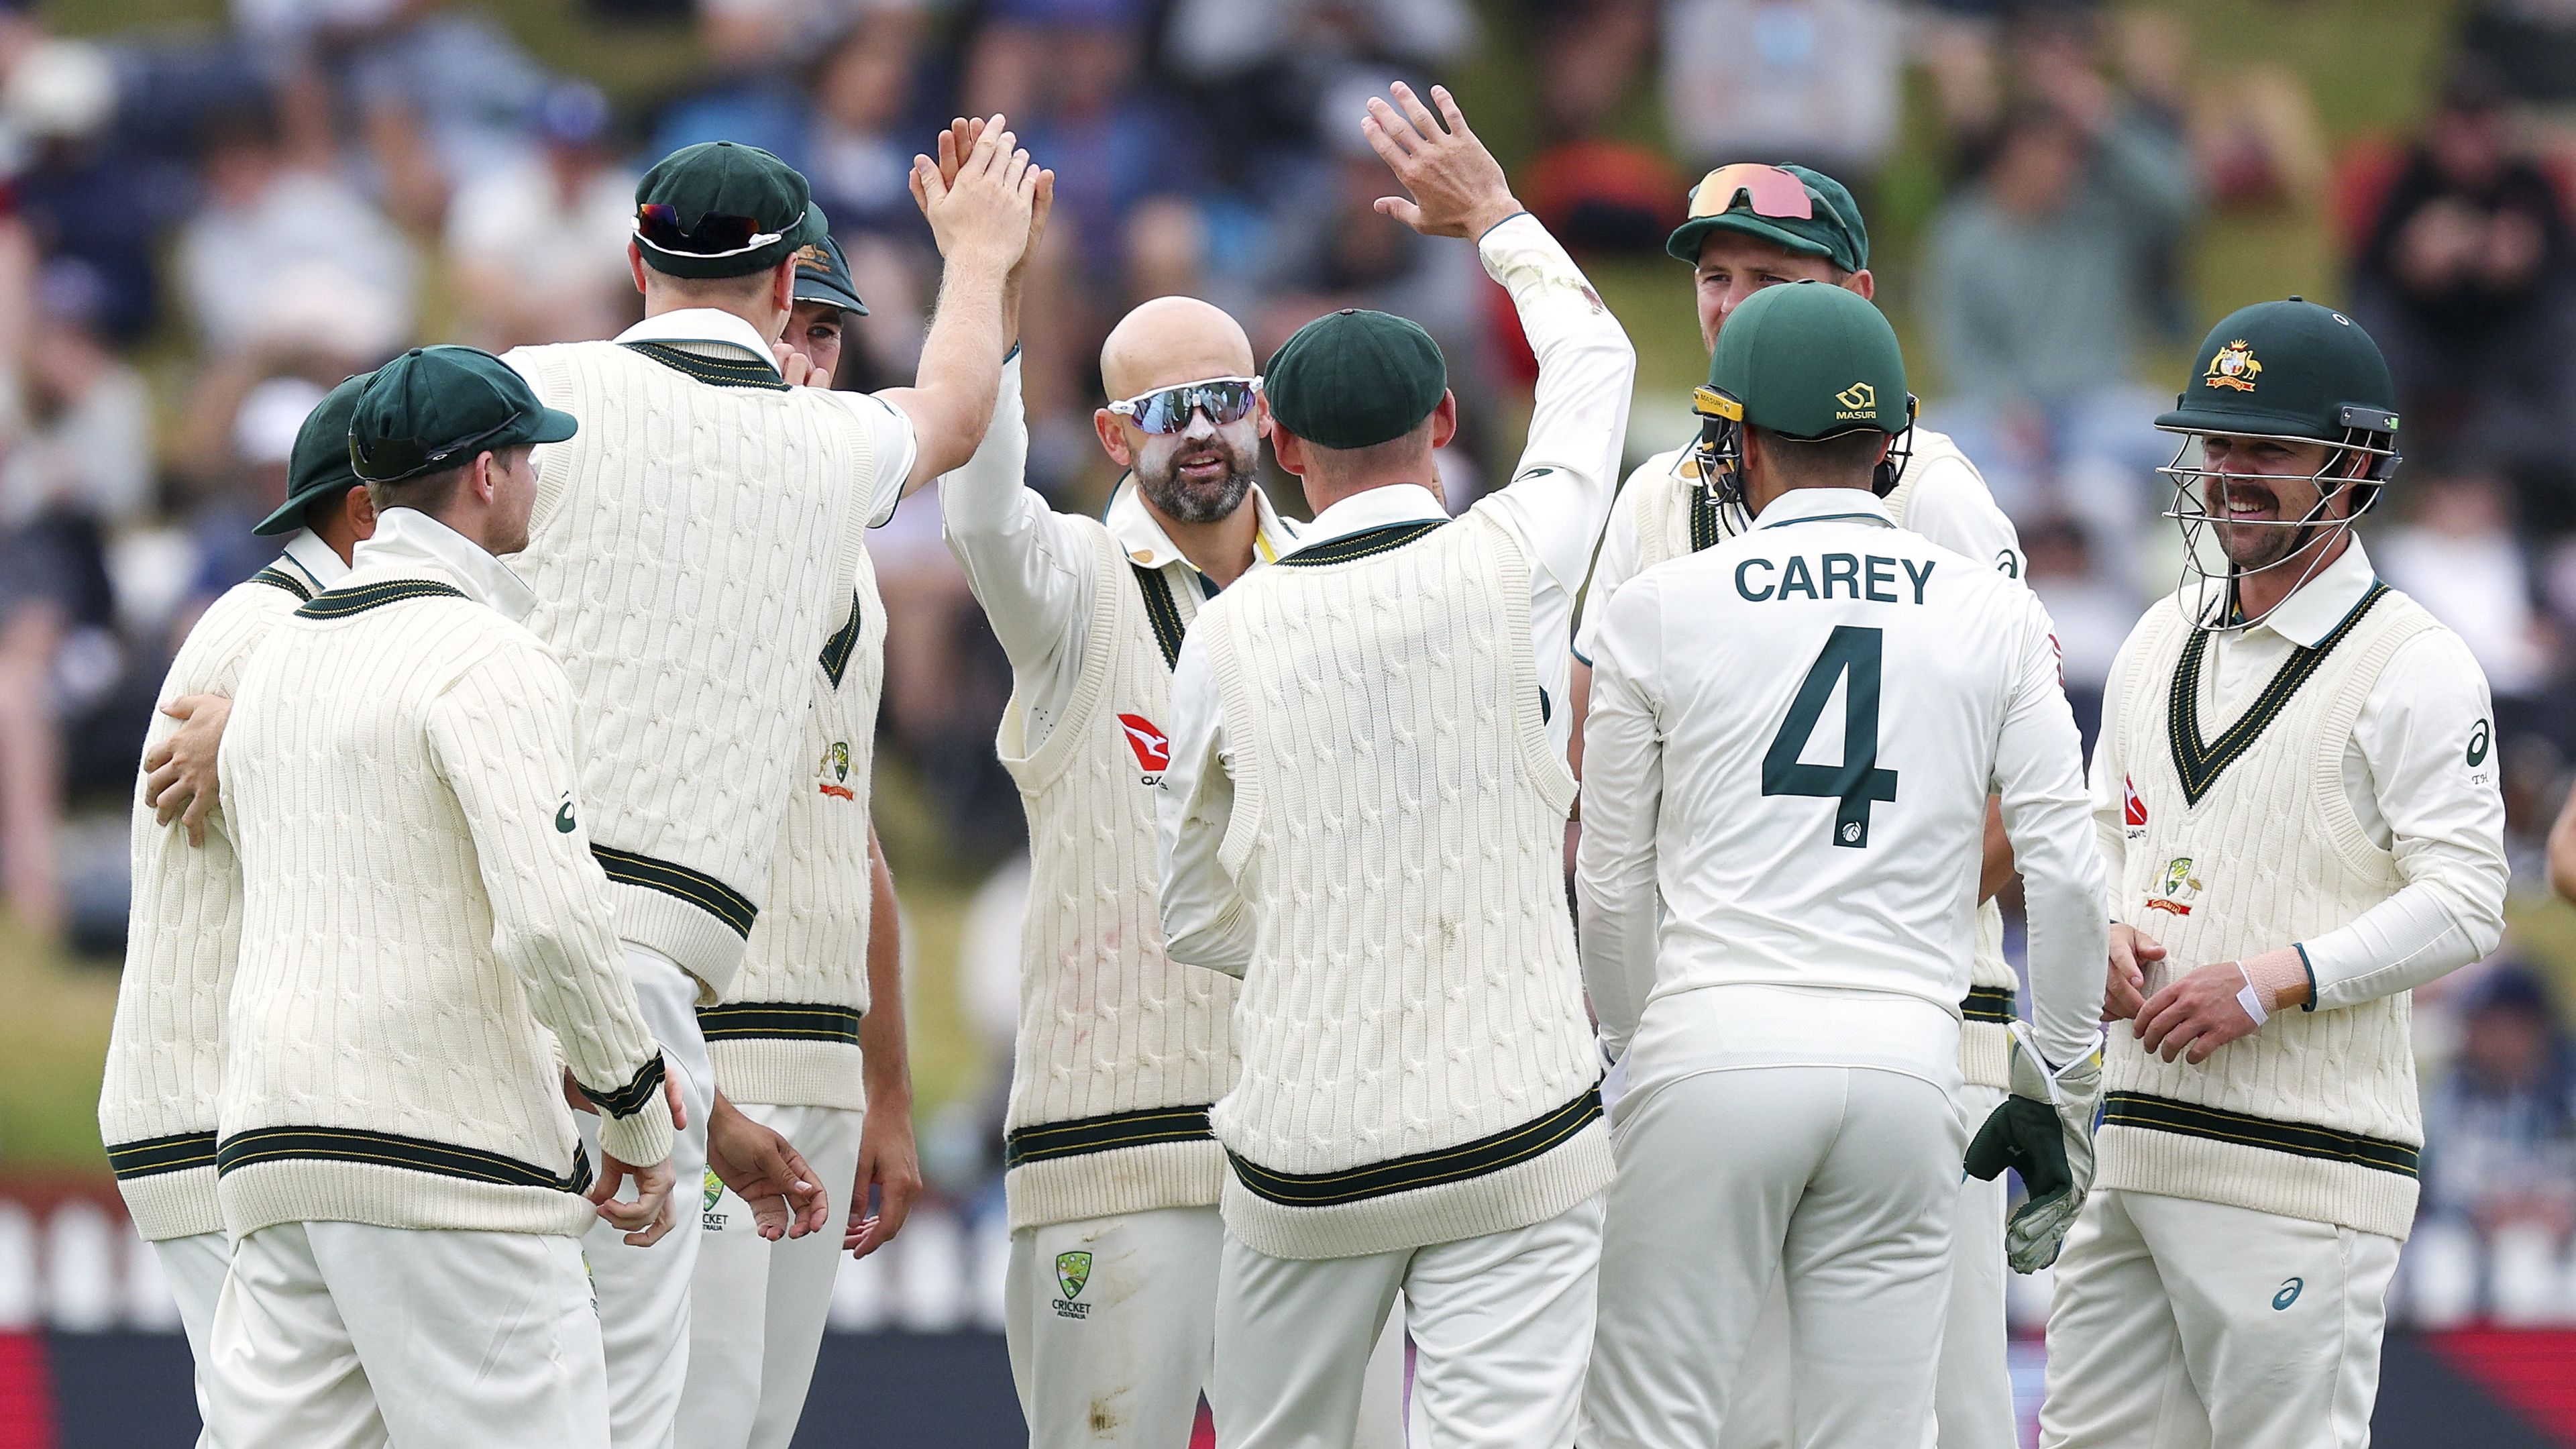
[1112,1176]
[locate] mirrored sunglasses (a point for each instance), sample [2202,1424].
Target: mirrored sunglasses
[657,225]
[1767,190]
[1167,410]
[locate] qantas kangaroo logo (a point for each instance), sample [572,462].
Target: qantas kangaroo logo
[1153,748]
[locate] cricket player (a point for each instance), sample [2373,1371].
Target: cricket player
[1778,897]
[424,930]
[1753,226]
[1112,1174]
[693,551]
[2295,790]
[812,1041]
[1363,818]
[156,1111]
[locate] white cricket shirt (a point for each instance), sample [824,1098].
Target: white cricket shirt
[1792,738]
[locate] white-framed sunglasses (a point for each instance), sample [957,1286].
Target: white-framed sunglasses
[1168,409]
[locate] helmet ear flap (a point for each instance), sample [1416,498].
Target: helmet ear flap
[1900,451]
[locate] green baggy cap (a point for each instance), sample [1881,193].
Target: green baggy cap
[436,407]
[2286,369]
[823,275]
[1835,232]
[1353,378]
[1811,360]
[737,184]
[319,466]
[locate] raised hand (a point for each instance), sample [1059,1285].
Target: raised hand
[1457,185]
[957,143]
[982,210]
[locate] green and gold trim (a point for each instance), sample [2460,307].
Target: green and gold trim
[387,1149]
[715,371]
[341,603]
[2299,1139]
[843,643]
[779,1021]
[1366,543]
[698,888]
[1707,526]
[1051,1140]
[2199,765]
[1992,1004]
[1446,1165]
[155,1155]
[1162,611]
[278,578]
[630,1099]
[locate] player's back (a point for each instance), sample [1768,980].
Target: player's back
[1831,689]
[693,548]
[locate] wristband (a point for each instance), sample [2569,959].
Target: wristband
[2251,999]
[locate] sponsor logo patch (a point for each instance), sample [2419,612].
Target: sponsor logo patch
[2133,811]
[1858,400]
[832,776]
[563,816]
[1153,748]
[711,1191]
[2288,1295]
[2480,738]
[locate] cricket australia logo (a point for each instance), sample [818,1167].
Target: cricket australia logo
[1153,748]
[2177,887]
[1072,1274]
[832,776]
[712,1190]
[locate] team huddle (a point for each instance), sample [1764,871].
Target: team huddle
[513,992]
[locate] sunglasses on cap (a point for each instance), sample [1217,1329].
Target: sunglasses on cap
[1167,410]
[394,459]
[657,225]
[1767,190]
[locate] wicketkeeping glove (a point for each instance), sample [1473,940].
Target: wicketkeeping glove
[2044,1131]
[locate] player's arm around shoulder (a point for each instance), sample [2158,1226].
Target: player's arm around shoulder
[504,738]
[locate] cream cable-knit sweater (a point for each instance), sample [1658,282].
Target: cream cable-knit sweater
[1121,1049]
[423,922]
[1417,1064]
[790,1034]
[2249,841]
[693,547]
[156,1105]
[1674,517]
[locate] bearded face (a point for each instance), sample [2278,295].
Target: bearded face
[1200,474]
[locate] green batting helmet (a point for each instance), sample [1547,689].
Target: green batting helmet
[2288,370]
[1809,361]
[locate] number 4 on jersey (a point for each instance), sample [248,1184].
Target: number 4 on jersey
[1856,782]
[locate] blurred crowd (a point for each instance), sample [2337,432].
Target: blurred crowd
[202,229]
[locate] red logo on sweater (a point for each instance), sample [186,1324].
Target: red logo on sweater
[2133,811]
[1153,748]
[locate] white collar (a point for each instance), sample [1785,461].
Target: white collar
[1145,541]
[1375,508]
[1805,505]
[407,540]
[702,325]
[308,555]
[2314,608]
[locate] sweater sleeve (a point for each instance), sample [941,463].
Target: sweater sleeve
[1623,787]
[504,740]
[2039,772]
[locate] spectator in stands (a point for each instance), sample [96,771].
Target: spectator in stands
[2456,554]
[859,154]
[87,200]
[2037,271]
[2500,1125]
[2093,614]
[539,245]
[87,448]
[2468,280]
[1812,81]
[278,245]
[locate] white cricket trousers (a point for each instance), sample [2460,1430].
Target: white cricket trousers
[1500,1327]
[1972,1401]
[1123,1358]
[2180,1325]
[194,1267]
[756,1308]
[644,1292]
[350,1336]
[1843,1181]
